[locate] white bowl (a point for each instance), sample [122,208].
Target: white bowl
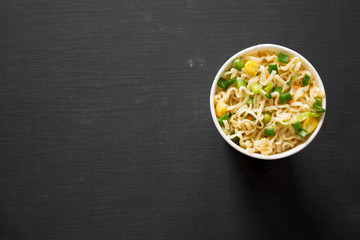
[277,48]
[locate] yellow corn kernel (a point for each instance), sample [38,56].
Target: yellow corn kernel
[220,109]
[310,124]
[251,68]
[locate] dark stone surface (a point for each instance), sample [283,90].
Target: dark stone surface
[105,128]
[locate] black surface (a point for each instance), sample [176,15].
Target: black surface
[106,133]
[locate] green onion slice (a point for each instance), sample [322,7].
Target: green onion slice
[283,58]
[301,117]
[302,133]
[240,82]
[285,97]
[269,132]
[318,108]
[306,80]
[314,114]
[250,101]
[223,83]
[273,68]
[268,95]
[277,89]
[222,118]
[318,101]
[288,83]
[235,140]
[267,88]
[296,126]
[295,76]
[255,88]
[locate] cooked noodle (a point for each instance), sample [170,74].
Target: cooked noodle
[250,130]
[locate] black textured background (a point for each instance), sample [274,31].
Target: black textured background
[105,128]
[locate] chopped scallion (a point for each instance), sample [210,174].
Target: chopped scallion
[240,82]
[288,83]
[277,89]
[267,88]
[283,58]
[315,114]
[301,117]
[318,108]
[306,80]
[285,97]
[302,133]
[268,95]
[235,140]
[255,88]
[250,101]
[296,126]
[269,132]
[273,68]
[295,76]
[223,83]
[222,118]
[318,101]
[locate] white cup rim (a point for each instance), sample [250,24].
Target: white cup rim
[260,47]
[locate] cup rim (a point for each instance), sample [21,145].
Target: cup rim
[260,47]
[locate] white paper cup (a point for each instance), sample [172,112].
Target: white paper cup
[247,51]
